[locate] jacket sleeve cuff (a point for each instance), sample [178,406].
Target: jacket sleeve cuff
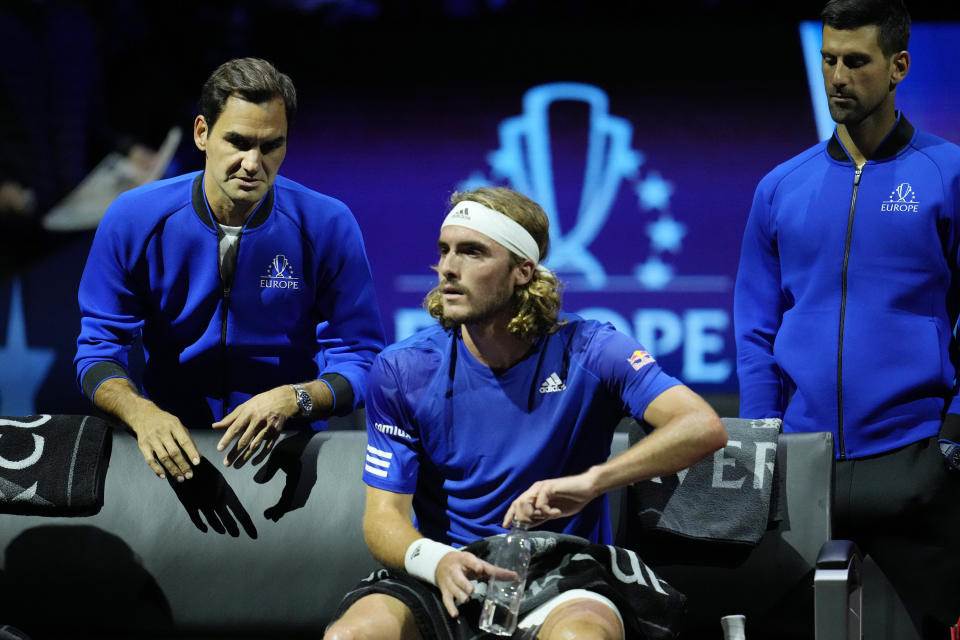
[950,429]
[342,392]
[99,372]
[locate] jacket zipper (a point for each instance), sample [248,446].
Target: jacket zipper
[843,309]
[223,347]
[226,287]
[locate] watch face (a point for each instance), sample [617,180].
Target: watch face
[304,401]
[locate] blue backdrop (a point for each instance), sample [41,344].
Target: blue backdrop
[648,184]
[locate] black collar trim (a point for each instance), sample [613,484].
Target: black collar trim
[263,211]
[200,206]
[898,138]
[200,202]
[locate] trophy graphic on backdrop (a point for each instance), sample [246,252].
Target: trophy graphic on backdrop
[525,159]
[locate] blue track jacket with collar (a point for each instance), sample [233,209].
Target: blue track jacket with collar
[298,303]
[847,293]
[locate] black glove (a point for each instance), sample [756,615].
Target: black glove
[949,440]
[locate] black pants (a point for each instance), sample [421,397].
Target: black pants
[903,509]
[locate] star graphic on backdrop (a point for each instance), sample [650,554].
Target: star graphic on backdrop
[666,234]
[654,273]
[629,162]
[22,369]
[654,192]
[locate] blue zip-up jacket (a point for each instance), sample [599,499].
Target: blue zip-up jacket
[298,305]
[847,293]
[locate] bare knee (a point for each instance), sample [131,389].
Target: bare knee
[577,630]
[581,620]
[338,631]
[346,629]
[374,617]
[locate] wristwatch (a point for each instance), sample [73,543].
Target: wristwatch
[304,401]
[951,453]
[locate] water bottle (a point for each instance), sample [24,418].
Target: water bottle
[502,604]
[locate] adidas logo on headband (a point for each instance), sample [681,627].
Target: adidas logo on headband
[495,225]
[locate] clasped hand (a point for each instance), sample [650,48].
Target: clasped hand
[544,500]
[551,499]
[454,574]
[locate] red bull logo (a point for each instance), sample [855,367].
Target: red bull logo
[640,359]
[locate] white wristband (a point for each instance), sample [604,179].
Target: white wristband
[422,558]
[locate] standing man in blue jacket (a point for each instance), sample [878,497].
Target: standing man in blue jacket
[252,294]
[845,305]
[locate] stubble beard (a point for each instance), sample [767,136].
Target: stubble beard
[498,307]
[856,114]
[846,117]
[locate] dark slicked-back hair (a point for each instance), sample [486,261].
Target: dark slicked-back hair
[252,79]
[891,16]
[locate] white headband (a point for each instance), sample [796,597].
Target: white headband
[496,226]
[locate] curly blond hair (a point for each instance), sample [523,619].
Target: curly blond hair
[536,303]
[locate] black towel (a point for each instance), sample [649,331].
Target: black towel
[731,495]
[650,607]
[53,465]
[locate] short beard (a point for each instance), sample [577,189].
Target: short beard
[846,117]
[501,306]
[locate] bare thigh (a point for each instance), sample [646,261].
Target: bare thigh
[375,617]
[582,619]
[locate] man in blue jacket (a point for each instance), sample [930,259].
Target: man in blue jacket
[845,305]
[252,294]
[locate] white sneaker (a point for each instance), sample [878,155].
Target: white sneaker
[83,207]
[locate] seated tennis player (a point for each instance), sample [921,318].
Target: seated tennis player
[507,409]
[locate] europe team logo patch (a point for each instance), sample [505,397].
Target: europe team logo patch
[279,275]
[640,359]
